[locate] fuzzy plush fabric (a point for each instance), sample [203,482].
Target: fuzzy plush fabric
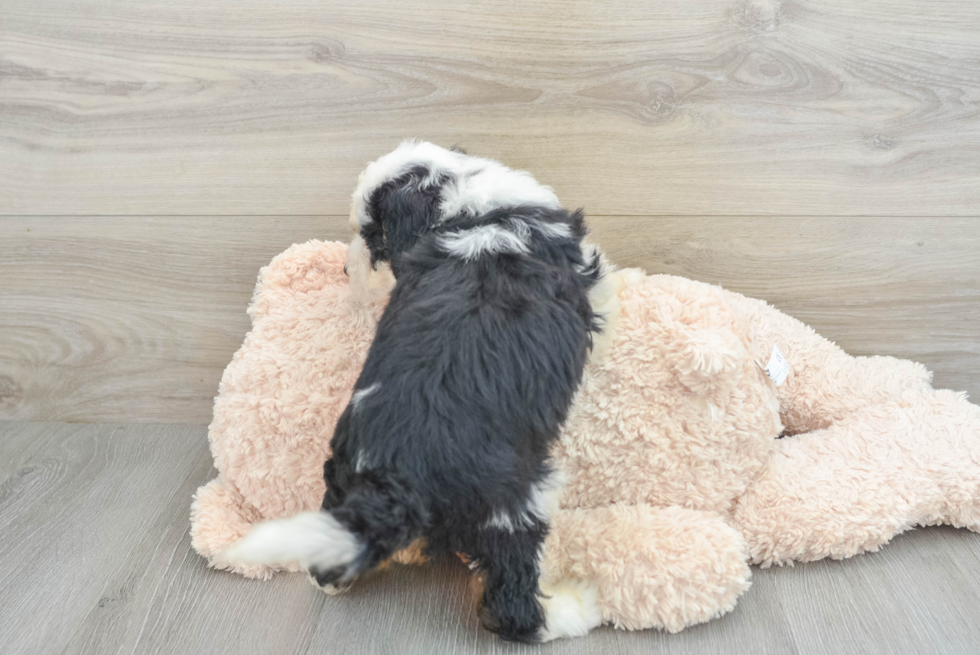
[676,478]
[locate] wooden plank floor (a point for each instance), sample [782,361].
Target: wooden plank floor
[95,558]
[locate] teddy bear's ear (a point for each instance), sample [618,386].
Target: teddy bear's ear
[301,269]
[706,359]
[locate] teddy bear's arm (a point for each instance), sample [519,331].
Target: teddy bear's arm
[824,384]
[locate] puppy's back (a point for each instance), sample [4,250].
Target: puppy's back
[477,357]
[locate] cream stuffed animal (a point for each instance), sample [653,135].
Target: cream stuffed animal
[677,477]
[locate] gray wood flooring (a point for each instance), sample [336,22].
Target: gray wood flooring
[95,557]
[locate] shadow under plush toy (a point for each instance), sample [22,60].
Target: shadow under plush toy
[677,480]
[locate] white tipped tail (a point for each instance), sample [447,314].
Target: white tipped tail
[314,539]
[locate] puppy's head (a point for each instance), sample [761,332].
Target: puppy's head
[398,198]
[418,186]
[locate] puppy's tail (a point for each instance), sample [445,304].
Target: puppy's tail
[375,520]
[314,539]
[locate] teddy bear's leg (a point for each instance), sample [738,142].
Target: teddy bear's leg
[824,384]
[651,567]
[852,487]
[220,516]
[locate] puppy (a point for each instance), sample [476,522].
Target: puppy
[466,385]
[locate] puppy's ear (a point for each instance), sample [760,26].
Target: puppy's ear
[402,209]
[459,149]
[374,238]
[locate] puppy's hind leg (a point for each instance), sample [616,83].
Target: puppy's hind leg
[332,499]
[377,517]
[513,605]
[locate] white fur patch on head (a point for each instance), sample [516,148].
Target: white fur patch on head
[571,609]
[493,185]
[314,539]
[471,184]
[483,240]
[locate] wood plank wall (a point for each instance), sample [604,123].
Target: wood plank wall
[821,154]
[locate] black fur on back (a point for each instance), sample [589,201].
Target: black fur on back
[465,388]
[477,363]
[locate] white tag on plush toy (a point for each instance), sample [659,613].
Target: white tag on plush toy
[778,368]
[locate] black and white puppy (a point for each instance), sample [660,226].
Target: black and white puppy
[465,388]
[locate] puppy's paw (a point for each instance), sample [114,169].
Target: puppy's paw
[330,588]
[571,609]
[330,582]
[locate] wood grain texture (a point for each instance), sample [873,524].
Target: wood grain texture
[239,107]
[134,319]
[77,506]
[923,564]
[96,559]
[105,319]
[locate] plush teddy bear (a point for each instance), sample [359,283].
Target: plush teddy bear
[685,461]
